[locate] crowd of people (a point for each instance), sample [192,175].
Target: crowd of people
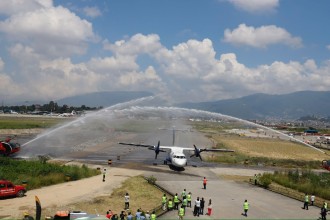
[128,215]
[324,208]
[170,204]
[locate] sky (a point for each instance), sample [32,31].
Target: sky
[183,51]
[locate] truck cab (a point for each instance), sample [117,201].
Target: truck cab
[8,189]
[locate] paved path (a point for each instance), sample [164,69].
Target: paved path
[228,197]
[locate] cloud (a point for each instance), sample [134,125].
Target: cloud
[92,12]
[188,71]
[328,47]
[260,37]
[23,6]
[187,60]
[253,6]
[137,44]
[52,31]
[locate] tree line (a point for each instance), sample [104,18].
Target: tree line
[51,107]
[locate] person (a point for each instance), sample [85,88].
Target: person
[142,216]
[164,201]
[201,210]
[109,214]
[129,216]
[204,182]
[170,205]
[325,205]
[122,215]
[312,199]
[306,199]
[153,215]
[323,213]
[197,207]
[209,208]
[181,213]
[255,179]
[126,201]
[184,204]
[147,215]
[189,199]
[114,217]
[104,172]
[184,194]
[138,214]
[176,202]
[245,207]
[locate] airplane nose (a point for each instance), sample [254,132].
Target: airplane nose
[181,163]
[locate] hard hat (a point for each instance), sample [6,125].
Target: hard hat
[26,213]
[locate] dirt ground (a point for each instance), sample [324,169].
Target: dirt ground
[59,197]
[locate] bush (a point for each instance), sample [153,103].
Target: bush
[151,179]
[265,180]
[39,173]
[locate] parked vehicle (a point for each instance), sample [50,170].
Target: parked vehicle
[8,189]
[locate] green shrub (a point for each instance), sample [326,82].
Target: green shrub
[40,173]
[265,180]
[151,179]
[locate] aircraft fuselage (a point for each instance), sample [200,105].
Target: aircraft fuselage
[177,158]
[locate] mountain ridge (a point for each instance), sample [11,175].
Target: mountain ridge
[261,106]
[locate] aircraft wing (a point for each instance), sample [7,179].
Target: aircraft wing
[207,149]
[137,145]
[198,151]
[157,148]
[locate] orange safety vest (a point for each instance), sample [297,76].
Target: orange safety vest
[204,181]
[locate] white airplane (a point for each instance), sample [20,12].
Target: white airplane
[175,156]
[73,113]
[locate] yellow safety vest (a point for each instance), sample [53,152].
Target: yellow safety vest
[164,199]
[170,204]
[306,198]
[176,200]
[153,216]
[326,205]
[181,212]
[189,197]
[246,205]
[185,202]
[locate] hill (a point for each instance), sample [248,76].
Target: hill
[261,106]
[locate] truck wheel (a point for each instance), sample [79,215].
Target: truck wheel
[20,193]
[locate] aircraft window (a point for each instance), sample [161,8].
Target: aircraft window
[2,185]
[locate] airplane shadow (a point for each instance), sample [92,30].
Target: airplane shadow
[174,168]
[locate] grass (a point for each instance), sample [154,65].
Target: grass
[142,195]
[40,173]
[304,181]
[265,152]
[20,122]
[256,150]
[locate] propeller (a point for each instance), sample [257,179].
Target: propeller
[197,153]
[156,149]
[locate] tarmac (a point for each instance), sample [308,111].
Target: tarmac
[228,196]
